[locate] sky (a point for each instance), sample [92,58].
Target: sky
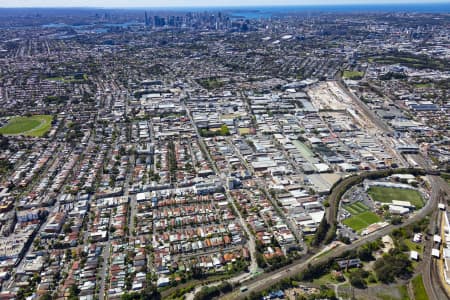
[188,3]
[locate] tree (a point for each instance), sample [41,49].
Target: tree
[395,220]
[74,291]
[46,296]
[197,272]
[207,293]
[392,265]
[149,293]
[357,278]
[5,166]
[321,232]
[344,239]
[225,287]
[365,253]
[260,260]
[224,130]
[4,142]
[67,228]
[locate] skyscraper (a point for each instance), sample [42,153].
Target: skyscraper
[146,19]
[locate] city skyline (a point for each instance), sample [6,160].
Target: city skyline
[200,3]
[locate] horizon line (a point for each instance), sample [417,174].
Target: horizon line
[420,2]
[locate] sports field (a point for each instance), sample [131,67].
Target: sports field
[387,194]
[35,126]
[356,208]
[352,74]
[360,221]
[361,216]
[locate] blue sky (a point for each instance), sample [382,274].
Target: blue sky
[185,3]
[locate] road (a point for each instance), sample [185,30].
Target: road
[133,202]
[262,186]
[251,240]
[266,280]
[104,271]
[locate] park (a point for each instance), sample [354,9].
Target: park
[35,126]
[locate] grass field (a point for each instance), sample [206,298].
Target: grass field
[401,294]
[36,125]
[325,279]
[412,61]
[360,221]
[387,194]
[414,246]
[69,79]
[423,85]
[419,289]
[356,208]
[352,74]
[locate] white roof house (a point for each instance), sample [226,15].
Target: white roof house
[414,255]
[437,239]
[435,253]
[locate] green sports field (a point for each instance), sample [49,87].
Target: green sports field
[352,74]
[356,208]
[387,194]
[36,125]
[361,216]
[362,220]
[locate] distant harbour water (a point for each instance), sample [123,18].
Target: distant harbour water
[265,12]
[268,11]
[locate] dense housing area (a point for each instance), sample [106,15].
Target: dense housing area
[201,155]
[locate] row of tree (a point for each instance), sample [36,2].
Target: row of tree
[224,130]
[209,292]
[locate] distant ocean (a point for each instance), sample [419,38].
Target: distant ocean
[269,11]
